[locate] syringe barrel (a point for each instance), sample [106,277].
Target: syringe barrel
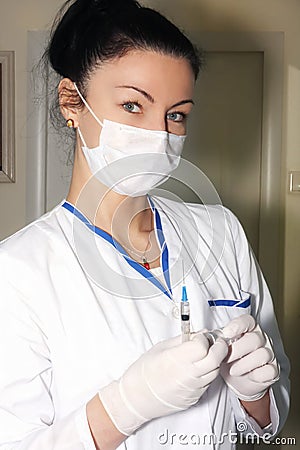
[185,309]
[185,321]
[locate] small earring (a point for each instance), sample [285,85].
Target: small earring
[70,123]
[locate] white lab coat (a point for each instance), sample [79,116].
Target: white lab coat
[74,315]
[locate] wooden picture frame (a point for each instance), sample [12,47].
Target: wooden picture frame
[7,117]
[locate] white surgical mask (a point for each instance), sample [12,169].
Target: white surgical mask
[130,160]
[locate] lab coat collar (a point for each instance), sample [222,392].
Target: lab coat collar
[140,269]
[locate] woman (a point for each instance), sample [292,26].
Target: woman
[91,349]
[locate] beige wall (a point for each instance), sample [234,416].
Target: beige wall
[16,17]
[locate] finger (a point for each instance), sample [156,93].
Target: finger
[192,382]
[248,343]
[216,354]
[168,343]
[191,351]
[265,374]
[195,334]
[250,362]
[238,326]
[211,336]
[208,378]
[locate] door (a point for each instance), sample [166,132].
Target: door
[225,134]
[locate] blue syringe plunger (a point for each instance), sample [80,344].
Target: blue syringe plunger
[184,294]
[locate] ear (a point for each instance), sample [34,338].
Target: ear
[69,101]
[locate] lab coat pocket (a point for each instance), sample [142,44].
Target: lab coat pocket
[224,310]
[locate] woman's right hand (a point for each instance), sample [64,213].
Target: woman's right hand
[169,377]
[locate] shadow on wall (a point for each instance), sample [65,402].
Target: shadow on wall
[195,15]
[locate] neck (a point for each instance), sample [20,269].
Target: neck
[118,215]
[124,216]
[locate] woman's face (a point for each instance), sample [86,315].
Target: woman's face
[143,89]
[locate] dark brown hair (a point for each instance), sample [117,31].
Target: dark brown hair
[87,33]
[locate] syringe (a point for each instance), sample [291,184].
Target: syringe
[212,335]
[185,310]
[185,316]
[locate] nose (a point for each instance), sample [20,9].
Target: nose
[158,123]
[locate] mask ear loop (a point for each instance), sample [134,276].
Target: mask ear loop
[81,137]
[89,109]
[87,105]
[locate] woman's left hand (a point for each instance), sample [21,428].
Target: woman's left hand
[251,367]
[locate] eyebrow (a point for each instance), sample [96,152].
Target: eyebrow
[144,93]
[183,102]
[151,99]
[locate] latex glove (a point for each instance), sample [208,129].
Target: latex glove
[251,367]
[169,377]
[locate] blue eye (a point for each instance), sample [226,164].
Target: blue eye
[132,107]
[176,116]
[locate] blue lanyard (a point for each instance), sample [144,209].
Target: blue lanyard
[141,269]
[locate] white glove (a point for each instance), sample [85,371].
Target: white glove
[251,367]
[169,377]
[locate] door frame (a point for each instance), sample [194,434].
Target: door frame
[271,44]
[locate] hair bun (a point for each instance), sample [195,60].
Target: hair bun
[86,33]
